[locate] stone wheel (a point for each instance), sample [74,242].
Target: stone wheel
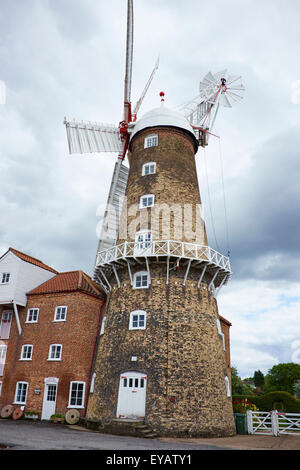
[6,411]
[17,414]
[72,416]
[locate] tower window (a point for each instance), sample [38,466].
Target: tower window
[141,280]
[151,141]
[137,320]
[143,240]
[149,169]
[146,201]
[228,392]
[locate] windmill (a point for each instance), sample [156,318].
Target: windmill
[91,137]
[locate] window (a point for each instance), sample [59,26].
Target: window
[146,201]
[26,353]
[103,326]
[21,393]
[5,325]
[149,169]
[3,349]
[137,320]
[143,241]
[227,386]
[151,141]
[32,315]
[76,397]
[60,314]
[221,334]
[141,280]
[55,352]
[5,278]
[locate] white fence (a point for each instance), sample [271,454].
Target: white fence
[273,423]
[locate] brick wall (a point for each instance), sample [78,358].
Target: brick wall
[77,335]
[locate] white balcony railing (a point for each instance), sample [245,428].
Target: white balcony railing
[163,248]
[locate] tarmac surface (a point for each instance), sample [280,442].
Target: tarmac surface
[26,435]
[247,442]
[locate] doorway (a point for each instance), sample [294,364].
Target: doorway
[132,395]
[49,401]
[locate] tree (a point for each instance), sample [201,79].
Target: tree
[258,378]
[237,385]
[282,377]
[296,389]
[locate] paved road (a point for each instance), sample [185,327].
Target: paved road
[28,435]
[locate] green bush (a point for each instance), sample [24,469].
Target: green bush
[282,401]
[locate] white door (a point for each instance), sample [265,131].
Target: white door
[132,395]
[49,402]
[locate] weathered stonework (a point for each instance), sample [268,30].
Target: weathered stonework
[180,351]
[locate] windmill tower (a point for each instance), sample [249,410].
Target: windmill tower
[160,357]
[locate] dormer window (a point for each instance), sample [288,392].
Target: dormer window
[5,278]
[149,169]
[146,201]
[151,141]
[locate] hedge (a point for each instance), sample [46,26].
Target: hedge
[281,401]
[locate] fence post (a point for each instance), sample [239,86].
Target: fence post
[274,421]
[249,422]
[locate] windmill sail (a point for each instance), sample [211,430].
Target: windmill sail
[111,220]
[88,137]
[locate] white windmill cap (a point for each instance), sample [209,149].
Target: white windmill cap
[163,116]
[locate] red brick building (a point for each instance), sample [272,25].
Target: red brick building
[48,344]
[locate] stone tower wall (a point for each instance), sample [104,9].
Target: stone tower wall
[180,350]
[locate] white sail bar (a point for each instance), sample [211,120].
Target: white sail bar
[111,219]
[197,256]
[89,137]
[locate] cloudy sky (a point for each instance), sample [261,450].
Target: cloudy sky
[66,58]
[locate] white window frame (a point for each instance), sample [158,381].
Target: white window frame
[0,387]
[3,351]
[143,240]
[149,204]
[54,348]
[220,332]
[57,314]
[18,385]
[141,274]
[137,313]
[4,278]
[70,405]
[147,167]
[27,349]
[151,141]
[103,323]
[8,314]
[227,386]
[33,312]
